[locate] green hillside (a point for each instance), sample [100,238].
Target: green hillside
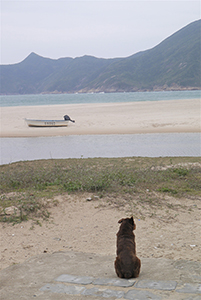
[173,64]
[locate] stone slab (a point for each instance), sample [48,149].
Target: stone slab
[114,282]
[190,288]
[99,281]
[62,289]
[168,285]
[75,290]
[92,292]
[192,298]
[105,293]
[66,278]
[111,293]
[141,295]
[74,279]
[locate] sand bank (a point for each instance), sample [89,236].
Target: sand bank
[105,118]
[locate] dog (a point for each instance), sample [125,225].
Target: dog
[127,264]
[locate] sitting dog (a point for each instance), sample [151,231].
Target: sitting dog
[127,264]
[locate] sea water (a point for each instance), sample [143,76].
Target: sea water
[50,99]
[84,146]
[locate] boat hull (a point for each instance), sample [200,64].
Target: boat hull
[46,123]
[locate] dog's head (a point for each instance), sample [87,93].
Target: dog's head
[128,221]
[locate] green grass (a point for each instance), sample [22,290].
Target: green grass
[27,185]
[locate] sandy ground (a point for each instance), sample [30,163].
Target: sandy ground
[171,230]
[105,118]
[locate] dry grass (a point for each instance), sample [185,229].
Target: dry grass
[26,186]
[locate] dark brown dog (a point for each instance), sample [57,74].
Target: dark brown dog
[127,264]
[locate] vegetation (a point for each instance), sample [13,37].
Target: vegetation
[173,64]
[28,186]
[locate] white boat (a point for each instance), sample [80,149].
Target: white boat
[46,123]
[49,123]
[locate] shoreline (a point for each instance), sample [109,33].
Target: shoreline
[166,116]
[95,91]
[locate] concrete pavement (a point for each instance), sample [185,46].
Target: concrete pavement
[74,276]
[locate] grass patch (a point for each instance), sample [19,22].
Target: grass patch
[25,185]
[17,207]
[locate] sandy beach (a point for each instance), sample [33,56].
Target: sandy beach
[105,118]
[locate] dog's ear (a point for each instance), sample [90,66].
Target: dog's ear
[131,221]
[120,221]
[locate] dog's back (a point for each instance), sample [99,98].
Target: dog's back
[127,264]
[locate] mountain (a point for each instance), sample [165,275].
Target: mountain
[174,64]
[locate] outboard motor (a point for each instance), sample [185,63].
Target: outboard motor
[67,118]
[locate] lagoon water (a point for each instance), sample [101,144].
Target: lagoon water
[127,145]
[85,146]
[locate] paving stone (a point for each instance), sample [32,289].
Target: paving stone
[74,279]
[66,278]
[105,293]
[194,297]
[92,292]
[141,295]
[111,293]
[62,289]
[83,280]
[190,288]
[114,282]
[74,290]
[157,285]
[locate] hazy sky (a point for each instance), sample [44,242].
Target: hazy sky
[105,29]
